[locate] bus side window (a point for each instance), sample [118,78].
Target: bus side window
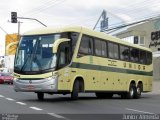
[116,51]
[124,53]
[100,48]
[74,38]
[113,50]
[134,55]
[110,50]
[149,58]
[142,57]
[64,53]
[86,46]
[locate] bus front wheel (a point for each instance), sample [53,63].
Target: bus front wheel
[40,96]
[75,91]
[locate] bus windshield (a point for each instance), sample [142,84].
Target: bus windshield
[35,53]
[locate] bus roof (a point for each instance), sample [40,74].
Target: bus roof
[101,35]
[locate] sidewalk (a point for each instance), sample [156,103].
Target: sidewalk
[156,87]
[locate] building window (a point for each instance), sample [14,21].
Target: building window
[140,40]
[136,40]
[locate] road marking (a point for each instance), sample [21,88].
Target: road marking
[21,103]
[1,96]
[139,111]
[10,99]
[35,108]
[56,115]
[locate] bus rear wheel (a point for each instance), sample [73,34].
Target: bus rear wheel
[131,93]
[75,91]
[138,91]
[40,96]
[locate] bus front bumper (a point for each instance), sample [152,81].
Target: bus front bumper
[41,85]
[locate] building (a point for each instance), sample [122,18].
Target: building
[146,34]
[11,42]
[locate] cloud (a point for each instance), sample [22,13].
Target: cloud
[72,12]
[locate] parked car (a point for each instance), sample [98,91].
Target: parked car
[6,78]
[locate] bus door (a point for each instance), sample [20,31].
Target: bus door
[62,62]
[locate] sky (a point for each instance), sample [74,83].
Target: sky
[72,12]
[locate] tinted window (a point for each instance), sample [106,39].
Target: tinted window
[142,57]
[110,50]
[149,58]
[64,58]
[86,46]
[134,55]
[100,48]
[113,50]
[74,38]
[104,48]
[124,53]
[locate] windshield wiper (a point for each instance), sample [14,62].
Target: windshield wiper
[29,56]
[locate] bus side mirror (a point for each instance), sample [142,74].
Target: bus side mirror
[57,43]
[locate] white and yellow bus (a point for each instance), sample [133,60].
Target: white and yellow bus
[76,59]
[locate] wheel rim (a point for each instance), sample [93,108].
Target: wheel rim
[138,91]
[131,92]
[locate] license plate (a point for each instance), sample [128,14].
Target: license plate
[30,87]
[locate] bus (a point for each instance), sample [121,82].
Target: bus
[71,60]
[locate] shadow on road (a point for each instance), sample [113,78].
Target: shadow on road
[60,99]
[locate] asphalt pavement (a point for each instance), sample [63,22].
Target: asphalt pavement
[24,106]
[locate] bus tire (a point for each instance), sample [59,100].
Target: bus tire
[138,91]
[132,91]
[40,96]
[75,91]
[130,94]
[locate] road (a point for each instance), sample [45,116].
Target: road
[26,106]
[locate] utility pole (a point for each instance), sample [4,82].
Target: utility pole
[104,21]
[19,27]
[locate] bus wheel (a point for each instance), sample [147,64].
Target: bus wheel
[132,91]
[138,91]
[75,91]
[40,96]
[130,94]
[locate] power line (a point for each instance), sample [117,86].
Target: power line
[45,7]
[134,7]
[126,25]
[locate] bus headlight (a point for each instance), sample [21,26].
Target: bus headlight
[53,78]
[15,79]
